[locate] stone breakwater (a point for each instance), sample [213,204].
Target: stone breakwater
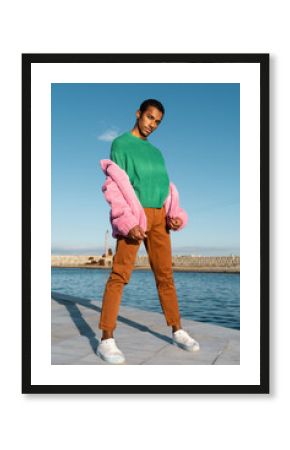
[190,263]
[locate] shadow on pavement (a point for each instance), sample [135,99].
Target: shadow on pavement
[70,304]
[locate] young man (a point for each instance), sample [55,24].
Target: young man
[144,207]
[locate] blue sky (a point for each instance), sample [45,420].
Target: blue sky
[199,138]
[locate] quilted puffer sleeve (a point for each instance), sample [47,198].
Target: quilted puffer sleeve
[183,216]
[173,208]
[121,215]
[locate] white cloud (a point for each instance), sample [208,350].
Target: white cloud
[109,135]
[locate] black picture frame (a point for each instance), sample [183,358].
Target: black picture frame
[233,58]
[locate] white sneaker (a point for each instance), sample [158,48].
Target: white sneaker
[109,352]
[182,339]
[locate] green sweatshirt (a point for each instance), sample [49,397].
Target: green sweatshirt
[145,167]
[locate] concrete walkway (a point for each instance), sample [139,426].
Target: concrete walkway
[143,336]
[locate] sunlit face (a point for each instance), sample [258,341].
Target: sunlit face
[148,121]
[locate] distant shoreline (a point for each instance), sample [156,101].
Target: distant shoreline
[211,264]
[233,270]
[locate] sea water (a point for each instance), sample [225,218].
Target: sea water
[205,297]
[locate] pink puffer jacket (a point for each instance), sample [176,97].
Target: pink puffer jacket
[126,209]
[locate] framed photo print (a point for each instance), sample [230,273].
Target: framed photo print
[145,245]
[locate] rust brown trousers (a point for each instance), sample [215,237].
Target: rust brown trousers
[158,247]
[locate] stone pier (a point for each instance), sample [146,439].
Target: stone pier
[143,336]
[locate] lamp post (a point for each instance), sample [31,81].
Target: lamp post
[106,243]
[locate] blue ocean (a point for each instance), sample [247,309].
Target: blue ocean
[205,297]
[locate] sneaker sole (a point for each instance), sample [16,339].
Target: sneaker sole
[193,348]
[110,362]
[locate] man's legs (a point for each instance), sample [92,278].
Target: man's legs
[123,263]
[158,247]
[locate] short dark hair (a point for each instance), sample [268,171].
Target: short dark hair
[151,102]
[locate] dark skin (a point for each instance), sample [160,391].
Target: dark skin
[145,124]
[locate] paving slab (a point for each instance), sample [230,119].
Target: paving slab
[143,336]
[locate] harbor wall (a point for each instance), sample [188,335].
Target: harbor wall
[232,263]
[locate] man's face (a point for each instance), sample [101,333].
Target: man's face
[149,120]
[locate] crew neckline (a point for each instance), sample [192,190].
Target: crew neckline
[136,137]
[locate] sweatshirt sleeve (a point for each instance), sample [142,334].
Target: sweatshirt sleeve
[117,155]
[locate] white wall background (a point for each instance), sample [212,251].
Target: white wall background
[200,421]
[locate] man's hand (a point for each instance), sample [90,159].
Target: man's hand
[137,233]
[174,223]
